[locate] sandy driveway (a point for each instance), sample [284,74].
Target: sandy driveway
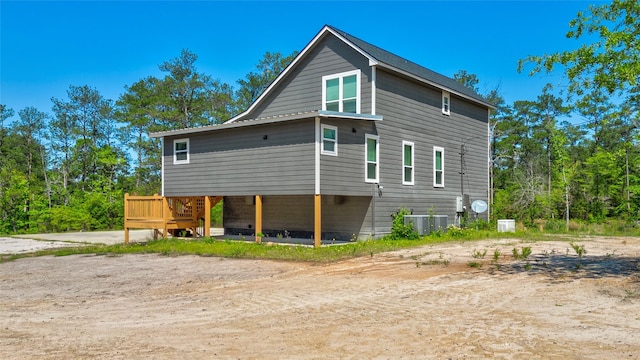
[18,244]
[412,304]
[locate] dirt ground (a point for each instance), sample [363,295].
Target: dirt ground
[423,303]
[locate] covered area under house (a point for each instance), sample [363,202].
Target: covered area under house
[174,214]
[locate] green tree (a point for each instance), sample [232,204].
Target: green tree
[30,127]
[502,115]
[611,61]
[14,194]
[467,79]
[526,150]
[596,109]
[5,113]
[62,141]
[524,163]
[183,98]
[597,71]
[567,169]
[548,109]
[187,97]
[256,82]
[137,109]
[604,194]
[82,125]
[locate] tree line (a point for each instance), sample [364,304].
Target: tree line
[69,169]
[545,167]
[569,154]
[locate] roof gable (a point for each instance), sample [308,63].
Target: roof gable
[378,57]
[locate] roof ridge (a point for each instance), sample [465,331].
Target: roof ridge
[347,35]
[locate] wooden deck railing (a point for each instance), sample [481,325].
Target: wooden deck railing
[168,214]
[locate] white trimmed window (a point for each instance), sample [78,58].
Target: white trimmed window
[181,151]
[341,92]
[372,155]
[329,140]
[438,166]
[446,103]
[407,163]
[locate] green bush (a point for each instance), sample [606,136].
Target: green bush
[555,225]
[65,218]
[398,228]
[482,224]
[456,232]
[216,214]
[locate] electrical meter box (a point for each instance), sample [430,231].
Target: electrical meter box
[463,203]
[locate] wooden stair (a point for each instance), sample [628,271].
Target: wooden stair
[168,214]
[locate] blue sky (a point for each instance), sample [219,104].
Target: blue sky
[47,46]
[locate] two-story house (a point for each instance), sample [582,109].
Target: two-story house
[346,135]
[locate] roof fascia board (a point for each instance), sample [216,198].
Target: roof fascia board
[269,120]
[228,125]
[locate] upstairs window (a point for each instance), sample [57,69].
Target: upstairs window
[438,166]
[329,140]
[407,163]
[371,158]
[446,103]
[181,151]
[341,92]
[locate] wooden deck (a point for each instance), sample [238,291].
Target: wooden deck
[168,214]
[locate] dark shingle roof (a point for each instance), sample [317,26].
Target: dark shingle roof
[403,64]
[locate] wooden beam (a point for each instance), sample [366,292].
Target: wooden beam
[207,216]
[165,216]
[126,216]
[258,218]
[317,221]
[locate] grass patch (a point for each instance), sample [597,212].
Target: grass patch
[443,262]
[250,250]
[476,254]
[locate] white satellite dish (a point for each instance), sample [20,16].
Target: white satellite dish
[479,206]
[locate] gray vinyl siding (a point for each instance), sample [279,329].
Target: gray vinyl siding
[412,112]
[301,90]
[241,162]
[344,174]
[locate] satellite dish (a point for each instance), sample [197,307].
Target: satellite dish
[479,206]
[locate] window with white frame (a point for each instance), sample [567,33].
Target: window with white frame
[446,103]
[438,166]
[372,168]
[407,163]
[181,151]
[329,140]
[341,92]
